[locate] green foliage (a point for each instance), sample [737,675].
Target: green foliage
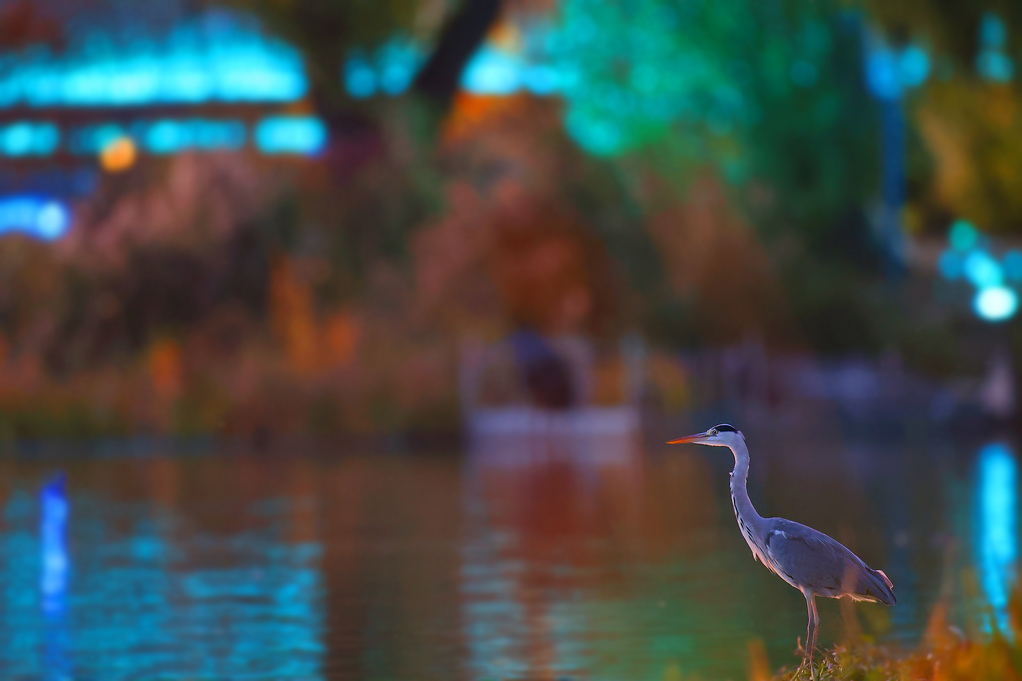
[762,92]
[968,125]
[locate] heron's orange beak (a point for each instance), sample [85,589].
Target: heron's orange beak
[690,438]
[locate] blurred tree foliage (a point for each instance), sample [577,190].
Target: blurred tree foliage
[328,33]
[766,98]
[762,92]
[706,173]
[969,124]
[952,29]
[971,129]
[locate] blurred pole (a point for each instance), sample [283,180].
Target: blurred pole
[889,72]
[892,182]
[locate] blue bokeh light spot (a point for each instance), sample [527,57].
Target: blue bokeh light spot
[398,60]
[992,32]
[951,265]
[170,136]
[165,137]
[598,136]
[541,80]
[491,72]
[963,236]
[914,66]
[996,303]
[52,220]
[219,134]
[882,73]
[305,135]
[1012,265]
[42,218]
[92,139]
[29,138]
[359,78]
[983,270]
[395,79]
[995,66]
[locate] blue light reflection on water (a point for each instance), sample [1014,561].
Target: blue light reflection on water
[53,577]
[997,538]
[534,563]
[145,600]
[52,531]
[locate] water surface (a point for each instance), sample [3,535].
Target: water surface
[517,559]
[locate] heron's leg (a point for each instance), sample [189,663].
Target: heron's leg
[813,627]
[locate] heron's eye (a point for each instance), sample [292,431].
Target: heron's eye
[713,431]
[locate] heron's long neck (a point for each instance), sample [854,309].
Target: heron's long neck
[744,510]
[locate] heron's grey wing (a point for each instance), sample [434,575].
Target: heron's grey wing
[807,558]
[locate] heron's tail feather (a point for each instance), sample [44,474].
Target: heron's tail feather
[880,587]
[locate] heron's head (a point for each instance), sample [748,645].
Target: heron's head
[722,435]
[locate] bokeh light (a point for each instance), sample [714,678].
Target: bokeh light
[963,236]
[45,219]
[982,269]
[303,135]
[119,154]
[951,264]
[1013,265]
[29,138]
[996,303]
[218,57]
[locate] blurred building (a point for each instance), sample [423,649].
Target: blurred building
[90,88]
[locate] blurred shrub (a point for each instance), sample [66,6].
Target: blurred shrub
[703,186]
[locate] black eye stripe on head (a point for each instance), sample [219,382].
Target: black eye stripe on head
[725,428]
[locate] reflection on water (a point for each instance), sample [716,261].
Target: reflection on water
[53,510]
[52,532]
[539,558]
[136,591]
[997,534]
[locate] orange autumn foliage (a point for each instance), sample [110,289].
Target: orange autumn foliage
[165,369]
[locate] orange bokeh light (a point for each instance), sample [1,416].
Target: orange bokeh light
[118,155]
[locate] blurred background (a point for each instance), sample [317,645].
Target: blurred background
[337,340]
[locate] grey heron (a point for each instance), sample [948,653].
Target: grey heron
[807,559]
